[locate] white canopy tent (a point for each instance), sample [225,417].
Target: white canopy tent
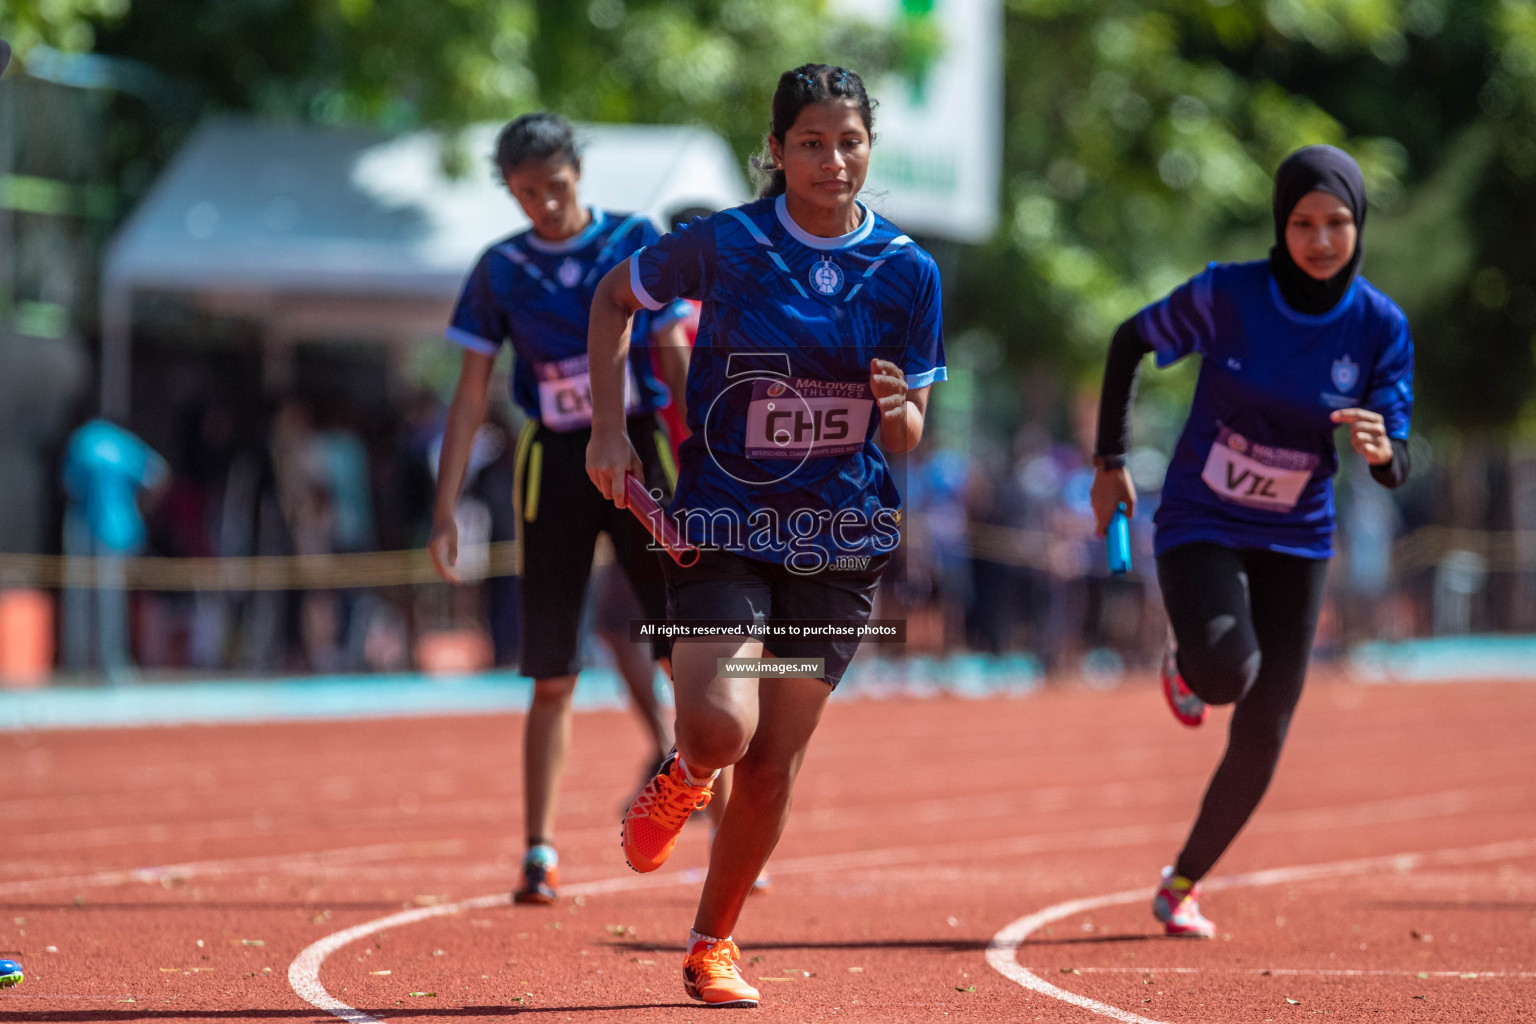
[315,232]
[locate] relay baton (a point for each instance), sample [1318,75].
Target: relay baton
[656,522]
[1118,542]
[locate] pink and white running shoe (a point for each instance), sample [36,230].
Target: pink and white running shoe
[1186,707]
[1177,905]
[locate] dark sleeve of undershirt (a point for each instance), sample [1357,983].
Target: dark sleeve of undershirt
[1394,473]
[1119,390]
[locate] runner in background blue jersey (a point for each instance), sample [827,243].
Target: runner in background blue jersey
[534,290]
[1292,347]
[820,331]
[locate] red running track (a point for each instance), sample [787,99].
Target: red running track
[181,874]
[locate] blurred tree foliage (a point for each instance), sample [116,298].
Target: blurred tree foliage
[67,24]
[1140,134]
[1141,138]
[404,64]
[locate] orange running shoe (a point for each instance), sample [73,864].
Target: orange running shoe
[658,813]
[710,976]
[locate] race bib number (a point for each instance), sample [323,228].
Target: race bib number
[565,393]
[1257,475]
[796,418]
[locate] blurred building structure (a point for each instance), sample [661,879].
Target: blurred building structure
[307,233]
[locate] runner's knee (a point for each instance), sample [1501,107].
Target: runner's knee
[765,783]
[554,691]
[711,738]
[1218,666]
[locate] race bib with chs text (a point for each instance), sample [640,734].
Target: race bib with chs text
[565,393]
[796,418]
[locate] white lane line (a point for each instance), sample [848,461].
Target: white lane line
[1002,953]
[210,868]
[1290,972]
[304,972]
[1379,812]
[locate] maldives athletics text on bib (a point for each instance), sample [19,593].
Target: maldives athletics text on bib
[565,393]
[797,418]
[1257,475]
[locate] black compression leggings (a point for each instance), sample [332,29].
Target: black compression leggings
[1244,622]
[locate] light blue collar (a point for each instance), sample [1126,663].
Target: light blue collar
[804,237]
[577,241]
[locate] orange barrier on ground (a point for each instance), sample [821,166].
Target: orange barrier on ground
[26,638]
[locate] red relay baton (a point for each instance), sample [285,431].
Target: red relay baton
[656,522]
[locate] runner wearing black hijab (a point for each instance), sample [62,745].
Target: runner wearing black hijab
[1291,348]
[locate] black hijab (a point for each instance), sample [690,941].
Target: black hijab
[1316,169]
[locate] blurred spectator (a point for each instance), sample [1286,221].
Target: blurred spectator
[38,386]
[341,460]
[182,628]
[405,483]
[107,471]
[491,485]
[933,590]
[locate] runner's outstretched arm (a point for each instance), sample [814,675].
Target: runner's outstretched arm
[902,412]
[465,414]
[609,454]
[672,352]
[1112,486]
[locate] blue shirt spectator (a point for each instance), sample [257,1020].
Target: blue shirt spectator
[105,467]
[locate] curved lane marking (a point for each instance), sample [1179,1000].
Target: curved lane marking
[304,971]
[1002,953]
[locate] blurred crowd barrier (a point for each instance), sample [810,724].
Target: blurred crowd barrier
[251,567]
[282,534]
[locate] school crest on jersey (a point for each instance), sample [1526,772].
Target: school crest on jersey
[827,277]
[1346,374]
[569,273]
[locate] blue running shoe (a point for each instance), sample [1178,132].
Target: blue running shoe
[10,973]
[539,884]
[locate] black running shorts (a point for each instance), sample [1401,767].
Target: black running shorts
[559,515]
[733,588]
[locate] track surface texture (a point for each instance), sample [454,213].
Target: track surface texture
[939,852]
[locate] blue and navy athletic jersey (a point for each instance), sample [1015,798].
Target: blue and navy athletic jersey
[782,417]
[1254,466]
[538,295]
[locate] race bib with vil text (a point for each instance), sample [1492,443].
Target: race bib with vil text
[1257,475]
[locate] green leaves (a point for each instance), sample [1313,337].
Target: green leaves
[1140,137]
[1135,155]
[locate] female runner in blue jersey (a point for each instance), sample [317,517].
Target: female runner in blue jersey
[534,290]
[819,333]
[1292,347]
